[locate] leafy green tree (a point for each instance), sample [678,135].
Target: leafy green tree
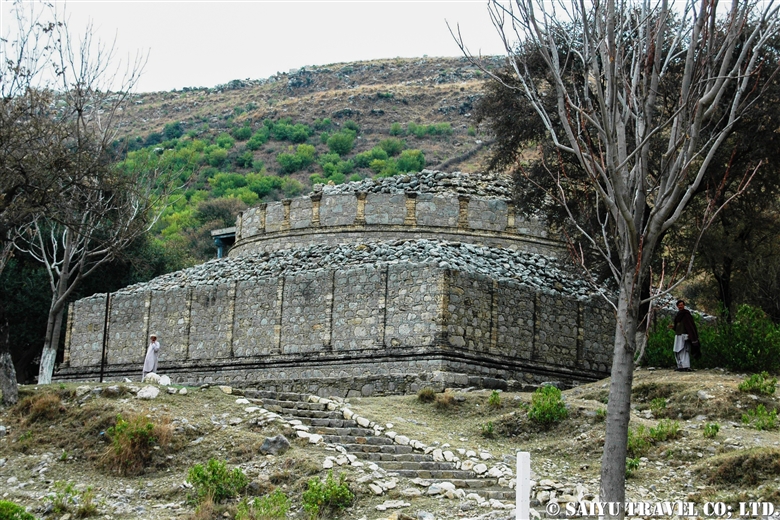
[242,133]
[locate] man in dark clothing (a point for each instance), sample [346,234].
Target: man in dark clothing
[686,339]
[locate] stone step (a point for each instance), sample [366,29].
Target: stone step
[295,405]
[354,432]
[300,414]
[350,439]
[436,474]
[415,465]
[480,484]
[499,494]
[359,449]
[379,458]
[327,422]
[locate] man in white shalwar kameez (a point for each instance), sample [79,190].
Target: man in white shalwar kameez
[152,353]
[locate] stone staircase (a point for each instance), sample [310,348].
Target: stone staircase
[363,440]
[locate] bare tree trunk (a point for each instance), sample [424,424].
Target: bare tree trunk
[8,383]
[613,461]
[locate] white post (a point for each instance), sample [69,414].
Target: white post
[523,486]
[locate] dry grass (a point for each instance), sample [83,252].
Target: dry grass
[40,407]
[132,442]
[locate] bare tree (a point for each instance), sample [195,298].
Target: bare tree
[73,209]
[607,63]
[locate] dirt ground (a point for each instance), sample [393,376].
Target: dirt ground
[47,447]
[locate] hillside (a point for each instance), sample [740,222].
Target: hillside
[374,94]
[54,446]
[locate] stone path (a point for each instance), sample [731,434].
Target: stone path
[358,441]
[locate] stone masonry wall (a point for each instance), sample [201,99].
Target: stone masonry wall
[353,217]
[304,325]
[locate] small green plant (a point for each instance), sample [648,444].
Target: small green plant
[631,466]
[639,441]
[601,414]
[472,131]
[330,495]
[711,430]
[132,441]
[215,482]
[658,405]
[547,406]
[759,384]
[272,506]
[664,430]
[63,497]
[11,511]
[86,504]
[487,430]
[494,401]
[760,419]
[64,456]
[426,395]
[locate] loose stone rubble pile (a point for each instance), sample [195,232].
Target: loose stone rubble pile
[530,269]
[492,185]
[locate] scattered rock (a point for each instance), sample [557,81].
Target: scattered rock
[226,389]
[148,392]
[392,504]
[164,380]
[275,445]
[151,377]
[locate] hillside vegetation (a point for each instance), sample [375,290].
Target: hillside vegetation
[239,144]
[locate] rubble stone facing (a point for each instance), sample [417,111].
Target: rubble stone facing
[357,318]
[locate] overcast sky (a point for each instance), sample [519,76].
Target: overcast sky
[207,43]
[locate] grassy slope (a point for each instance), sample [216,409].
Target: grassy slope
[738,464]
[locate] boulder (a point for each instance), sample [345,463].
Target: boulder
[275,445]
[148,392]
[164,381]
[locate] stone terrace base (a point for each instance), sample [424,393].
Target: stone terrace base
[368,375]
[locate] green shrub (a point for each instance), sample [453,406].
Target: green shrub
[272,506]
[214,481]
[341,142]
[711,430]
[363,159]
[639,441]
[411,161]
[664,430]
[631,466]
[244,160]
[11,511]
[224,140]
[487,430]
[494,400]
[351,125]
[759,384]
[132,441]
[392,146]
[322,497]
[303,156]
[396,129]
[601,414]
[760,419]
[242,133]
[547,406]
[750,343]
[258,139]
[173,130]
[426,395]
[658,405]
[471,131]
